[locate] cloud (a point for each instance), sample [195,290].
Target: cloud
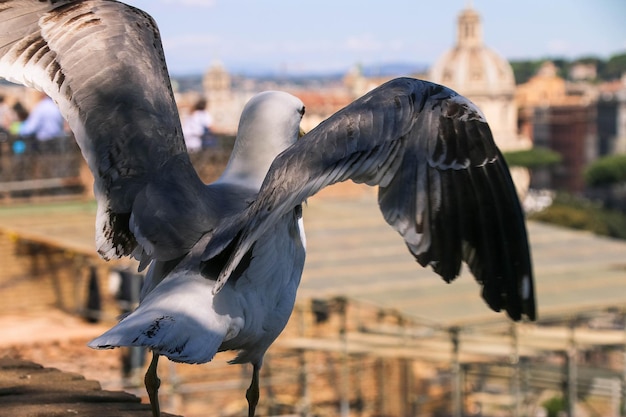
[559,46]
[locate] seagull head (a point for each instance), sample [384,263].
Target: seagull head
[269,124]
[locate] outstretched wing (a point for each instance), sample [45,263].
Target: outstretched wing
[443,185]
[102,63]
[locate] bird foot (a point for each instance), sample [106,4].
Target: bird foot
[252,393]
[152,383]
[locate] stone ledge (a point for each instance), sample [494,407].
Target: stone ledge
[28,389]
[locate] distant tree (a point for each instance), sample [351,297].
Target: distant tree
[614,68]
[563,65]
[524,70]
[608,170]
[606,181]
[578,213]
[554,406]
[533,158]
[591,59]
[610,69]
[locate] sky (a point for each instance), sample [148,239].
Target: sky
[296,37]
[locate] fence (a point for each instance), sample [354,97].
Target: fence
[31,169]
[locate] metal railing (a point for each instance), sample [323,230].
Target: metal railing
[31,168]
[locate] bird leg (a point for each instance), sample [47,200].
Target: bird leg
[252,393]
[152,382]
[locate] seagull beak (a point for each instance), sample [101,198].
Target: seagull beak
[301,131]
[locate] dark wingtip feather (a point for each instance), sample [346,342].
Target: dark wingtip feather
[507,280]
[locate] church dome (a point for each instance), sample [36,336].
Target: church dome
[483,76]
[480,74]
[470,67]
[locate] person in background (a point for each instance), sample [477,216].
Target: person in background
[21,165]
[21,114]
[46,124]
[18,145]
[7,115]
[5,120]
[197,128]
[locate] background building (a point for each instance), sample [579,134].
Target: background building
[611,123]
[483,76]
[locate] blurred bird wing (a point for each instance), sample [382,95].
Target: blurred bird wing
[443,185]
[103,64]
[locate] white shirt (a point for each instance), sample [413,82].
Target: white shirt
[45,121]
[194,128]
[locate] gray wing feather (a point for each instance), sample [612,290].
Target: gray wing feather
[444,186]
[103,64]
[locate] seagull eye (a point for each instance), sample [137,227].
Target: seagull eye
[301,111]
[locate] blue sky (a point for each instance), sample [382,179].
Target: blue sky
[331,35]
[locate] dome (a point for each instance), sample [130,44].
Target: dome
[480,74]
[483,76]
[471,68]
[474,71]
[216,78]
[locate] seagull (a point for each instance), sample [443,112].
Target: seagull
[225,259]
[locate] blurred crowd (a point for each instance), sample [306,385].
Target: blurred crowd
[42,130]
[36,142]
[32,141]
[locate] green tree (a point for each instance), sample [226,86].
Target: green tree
[524,70]
[533,158]
[578,213]
[554,406]
[610,69]
[614,68]
[609,170]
